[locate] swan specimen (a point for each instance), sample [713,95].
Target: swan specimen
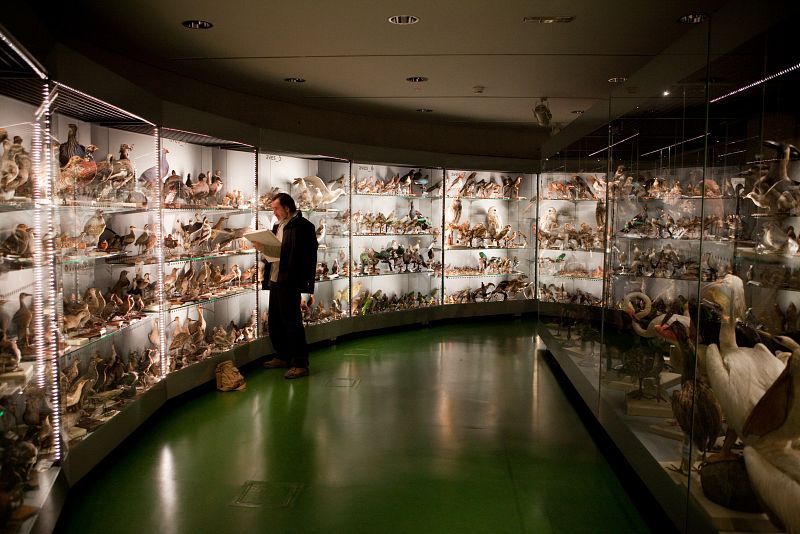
[739,376]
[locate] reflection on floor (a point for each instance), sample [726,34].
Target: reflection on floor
[454,428]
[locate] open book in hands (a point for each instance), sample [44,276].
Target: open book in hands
[265,242]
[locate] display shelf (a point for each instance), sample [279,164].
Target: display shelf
[204,209]
[507,199]
[21,204]
[389,195]
[571,199]
[632,276]
[239,291]
[565,250]
[108,207]
[487,275]
[91,256]
[149,260]
[335,279]
[410,234]
[459,247]
[233,254]
[568,277]
[315,210]
[334,247]
[422,271]
[109,334]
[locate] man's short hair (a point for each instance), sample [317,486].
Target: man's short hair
[285,200]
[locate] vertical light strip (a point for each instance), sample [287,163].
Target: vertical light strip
[38,263]
[159,252]
[44,203]
[253,221]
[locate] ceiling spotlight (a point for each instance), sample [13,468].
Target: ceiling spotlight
[417,79]
[618,79]
[548,20]
[295,80]
[542,113]
[577,112]
[404,20]
[693,18]
[425,110]
[665,93]
[197,24]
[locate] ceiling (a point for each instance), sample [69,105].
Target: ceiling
[355,61]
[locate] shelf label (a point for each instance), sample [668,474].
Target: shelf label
[365,168]
[272,157]
[736,182]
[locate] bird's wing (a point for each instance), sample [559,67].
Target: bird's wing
[317,182]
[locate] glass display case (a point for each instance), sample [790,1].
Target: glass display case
[108,258]
[210,269]
[487,228]
[395,226]
[30,405]
[321,189]
[685,360]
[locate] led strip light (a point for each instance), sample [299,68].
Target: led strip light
[759,82]
[613,144]
[162,324]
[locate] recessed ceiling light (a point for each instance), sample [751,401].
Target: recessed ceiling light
[294,80]
[618,79]
[548,20]
[197,24]
[693,18]
[404,20]
[665,93]
[577,111]
[425,110]
[417,79]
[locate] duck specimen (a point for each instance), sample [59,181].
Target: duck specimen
[122,283]
[18,243]
[22,159]
[738,375]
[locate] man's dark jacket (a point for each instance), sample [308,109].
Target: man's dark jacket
[298,265]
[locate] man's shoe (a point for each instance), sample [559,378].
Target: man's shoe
[296,372]
[276,363]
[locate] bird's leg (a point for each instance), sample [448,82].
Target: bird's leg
[727,445]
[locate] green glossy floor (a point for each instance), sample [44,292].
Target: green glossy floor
[453,428]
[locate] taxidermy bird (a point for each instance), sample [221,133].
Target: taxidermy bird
[454,213]
[694,405]
[95,226]
[150,176]
[322,231]
[323,196]
[18,243]
[19,161]
[738,375]
[493,221]
[71,147]
[86,169]
[142,240]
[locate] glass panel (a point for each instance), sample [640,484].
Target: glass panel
[320,187]
[108,260]
[487,233]
[396,237]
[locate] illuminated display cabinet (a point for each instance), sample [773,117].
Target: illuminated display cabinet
[125,276]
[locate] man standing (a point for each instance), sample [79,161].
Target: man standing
[286,279]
